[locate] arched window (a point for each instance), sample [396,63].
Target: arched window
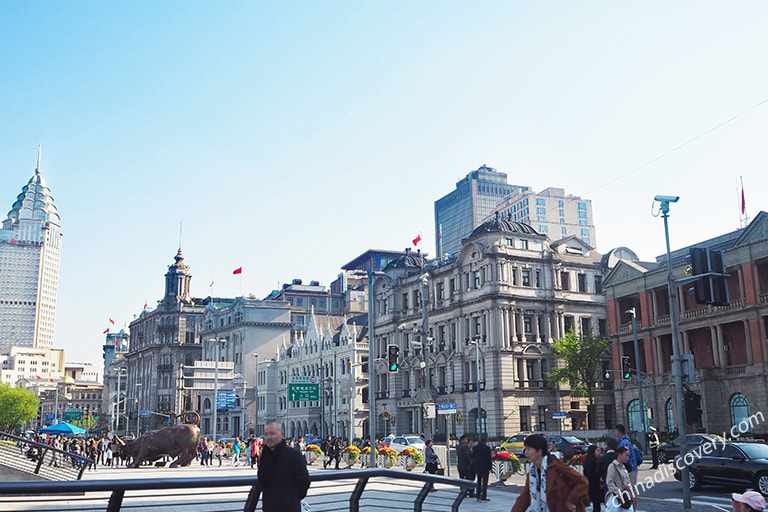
[634,416]
[670,409]
[207,405]
[740,411]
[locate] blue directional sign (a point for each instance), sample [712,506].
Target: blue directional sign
[225,400]
[559,415]
[145,412]
[50,417]
[446,407]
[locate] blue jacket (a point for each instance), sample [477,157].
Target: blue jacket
[624,441]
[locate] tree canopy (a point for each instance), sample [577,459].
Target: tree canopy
[17,406]
[582,355]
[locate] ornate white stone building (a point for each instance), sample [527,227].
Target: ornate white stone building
[30,248]
[513,291]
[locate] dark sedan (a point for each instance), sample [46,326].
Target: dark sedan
[668,451]
[568,445]
[735,465]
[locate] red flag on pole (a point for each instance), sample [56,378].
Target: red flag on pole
[145,303]
[211,283]
[417,239]
[105,331]
[238,270]
[743,202]
[111,321]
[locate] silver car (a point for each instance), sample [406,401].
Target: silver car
[400,443]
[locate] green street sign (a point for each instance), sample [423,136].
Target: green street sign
[73,415]
[303,392]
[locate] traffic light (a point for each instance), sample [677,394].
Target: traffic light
[692,403]
[710,289]
[626,373]
[393,352]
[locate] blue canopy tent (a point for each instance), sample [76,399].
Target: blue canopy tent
[63,428]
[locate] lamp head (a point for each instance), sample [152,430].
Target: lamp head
[667,199]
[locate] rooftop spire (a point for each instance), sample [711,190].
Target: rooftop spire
[39,157]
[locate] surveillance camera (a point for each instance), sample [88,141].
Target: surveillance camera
[666,199]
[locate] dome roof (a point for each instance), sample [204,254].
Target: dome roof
[499,224]
[408,260]
[35,202]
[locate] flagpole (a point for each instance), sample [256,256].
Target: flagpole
[744,219]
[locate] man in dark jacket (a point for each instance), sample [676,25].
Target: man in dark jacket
[481,454]
[464,461]
[283,473]
[327,448]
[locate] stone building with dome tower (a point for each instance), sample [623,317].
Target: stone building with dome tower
[30,249]
[511,291]
[161,341]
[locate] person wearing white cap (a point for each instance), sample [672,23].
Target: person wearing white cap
[653,442]
[750,501]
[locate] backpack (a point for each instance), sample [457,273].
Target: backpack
[637,455]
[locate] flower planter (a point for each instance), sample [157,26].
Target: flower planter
[503,469]
[384,461]
[310,456]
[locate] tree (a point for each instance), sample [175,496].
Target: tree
[17,406]
[582,355]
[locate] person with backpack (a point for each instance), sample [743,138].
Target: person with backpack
[634,460]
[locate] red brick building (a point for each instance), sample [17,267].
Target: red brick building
[728,343]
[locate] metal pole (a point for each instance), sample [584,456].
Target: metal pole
[117,402]
[425,341]
[138,408]
[242,403]
[322,394]
[215,386]
[676,359]
[643,415]
[56,405]
[256,392]
[333,402]
[371,375]
[477,385]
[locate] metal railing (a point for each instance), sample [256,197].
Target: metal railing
[355,490]
[39,459]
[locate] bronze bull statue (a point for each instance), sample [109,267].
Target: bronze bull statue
[176,441]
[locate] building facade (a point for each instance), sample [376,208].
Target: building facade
[551,212]
[28,367]
[304,297]
[114,401]
[247,332]
[462,210]
[30,250]
[727,343]
[163,340]
[510,292]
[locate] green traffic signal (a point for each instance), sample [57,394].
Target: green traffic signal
[626,373]
[393,367]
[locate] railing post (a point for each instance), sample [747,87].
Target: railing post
[354,498]
[253,498]
[40,460]
[463,492]
[421,497]
[115,500]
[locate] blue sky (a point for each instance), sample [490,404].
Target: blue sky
[289,138]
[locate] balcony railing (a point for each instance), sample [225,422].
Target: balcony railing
[470,386]
[533,384]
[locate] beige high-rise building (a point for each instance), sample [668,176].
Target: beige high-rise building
[30,249]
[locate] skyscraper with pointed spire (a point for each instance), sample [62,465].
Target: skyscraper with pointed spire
[30,250]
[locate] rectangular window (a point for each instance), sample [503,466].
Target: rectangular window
[582,215]
[564,231]
[514,276]
[440,290]
[538,279]
[583,223]
[477,325]
[599,284]
[582,282]
[476,278]
[562,213]
[510,242]
[525,418]
[526,277]
[541,211]
[602,327]
[582,206]
[527,325]
[541,218]
[584,232]
[565,282]
[540,201]
[586,325]
[543,228]
[524,244]
[452,286]
[405,300]
[559,204]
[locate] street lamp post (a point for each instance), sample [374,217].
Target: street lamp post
[236,380]
[256,396]
[371,374]
[138,408]
[643,416]
[476,343]
[216,352]
[676,359]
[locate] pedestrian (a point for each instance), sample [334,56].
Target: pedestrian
[605,460]
[202,449]
[337,451]
[327,448]
[593,476]
[431,460]
[235,452]
[632,463]
[750,501]
[255,450]
[654,442]
[551,485]
[481,455]
[554,451]
[619,495]
[282,473]
[464,462]
[220,451]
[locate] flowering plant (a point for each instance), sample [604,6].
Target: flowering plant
[416,455]
[367,451]
[353,453]
[577,460]
[314,448]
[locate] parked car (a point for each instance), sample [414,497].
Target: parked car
[738,465]
[668,451]
[400,443]
[515,444]
[568,445]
